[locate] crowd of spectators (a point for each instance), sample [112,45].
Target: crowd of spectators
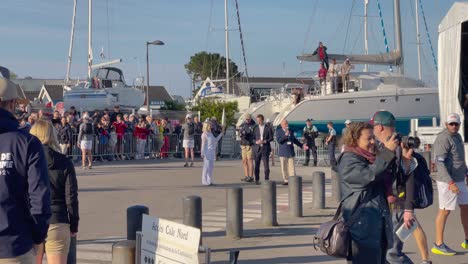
[116,135]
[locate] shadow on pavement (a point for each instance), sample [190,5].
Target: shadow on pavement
[269,232]
[302,259]
[264,247]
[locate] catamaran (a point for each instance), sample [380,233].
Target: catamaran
[366,93]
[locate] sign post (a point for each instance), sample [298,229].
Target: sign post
[167,242]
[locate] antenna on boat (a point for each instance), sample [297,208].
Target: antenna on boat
[366,45]
[418,39]
[226,29]
[398,37]
[70,50]
[90,37]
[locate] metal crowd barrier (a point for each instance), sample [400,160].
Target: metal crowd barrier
[322,151]
[155,146]
[171,146]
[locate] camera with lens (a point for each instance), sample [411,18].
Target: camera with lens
[408,141]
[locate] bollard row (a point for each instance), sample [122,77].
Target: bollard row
[123,252]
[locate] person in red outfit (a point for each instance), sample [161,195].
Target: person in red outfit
[322,75]
[120,131]
[141,133]
[321,51]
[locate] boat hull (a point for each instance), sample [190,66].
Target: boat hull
[405,104]
[89,99]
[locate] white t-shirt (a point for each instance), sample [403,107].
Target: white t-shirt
[262,128]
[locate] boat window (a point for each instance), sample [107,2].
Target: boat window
[383,100]
[102,74]
[113,75]
[417,100]
[351,102]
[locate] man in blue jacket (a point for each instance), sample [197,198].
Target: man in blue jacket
[286,141]
[24,184]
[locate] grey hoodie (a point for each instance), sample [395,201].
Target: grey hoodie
[449,153]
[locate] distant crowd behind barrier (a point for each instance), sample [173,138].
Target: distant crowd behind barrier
[163,141]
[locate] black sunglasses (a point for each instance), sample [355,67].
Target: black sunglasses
[454,124]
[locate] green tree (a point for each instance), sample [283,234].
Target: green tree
[173,105]
[204,64]
[210,107]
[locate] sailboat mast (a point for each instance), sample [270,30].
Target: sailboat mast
[226,29]
[72,36]
[366,44]
[90,37]
[398,37]
[418,39]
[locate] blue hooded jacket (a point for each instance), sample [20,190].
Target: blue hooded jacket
[24,189]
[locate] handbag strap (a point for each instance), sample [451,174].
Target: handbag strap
[355,215]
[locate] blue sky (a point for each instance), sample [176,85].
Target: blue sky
[35,35]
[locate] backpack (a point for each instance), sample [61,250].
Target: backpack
[88,128]
[423,192]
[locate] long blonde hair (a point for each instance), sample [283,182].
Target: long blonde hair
[45,132]
[207,127]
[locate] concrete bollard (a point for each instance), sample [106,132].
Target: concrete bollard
[135,220]
[318,188]
[123,252]
[192,211]
[295,196]
[268,190]
[234,213]
[336,186]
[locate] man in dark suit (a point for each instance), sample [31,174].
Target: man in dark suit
[263,136]
[286,140]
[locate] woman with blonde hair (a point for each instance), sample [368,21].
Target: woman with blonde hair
[208,153]
[64,197]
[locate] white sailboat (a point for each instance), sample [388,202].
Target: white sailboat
[367,93]
[105,86]
[221,89]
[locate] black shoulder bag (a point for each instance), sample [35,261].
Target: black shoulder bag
[333,237]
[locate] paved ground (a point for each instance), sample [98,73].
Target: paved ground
[108,189]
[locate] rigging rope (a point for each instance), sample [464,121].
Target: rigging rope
[108,29]
[309,27]
[349,23]
[242,40]
[428,35]
[383,30]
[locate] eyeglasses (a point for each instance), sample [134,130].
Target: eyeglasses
[454,124]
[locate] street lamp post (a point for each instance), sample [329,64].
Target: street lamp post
[158,43]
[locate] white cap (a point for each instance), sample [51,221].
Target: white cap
[268,120]
[453,118]
[347,122]
[188,116]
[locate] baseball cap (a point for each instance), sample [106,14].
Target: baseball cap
[384,118]
[309,120]
[188,116]
[453,118]
[10,90]
[347,122]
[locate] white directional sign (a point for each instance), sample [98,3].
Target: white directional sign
[166,242]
